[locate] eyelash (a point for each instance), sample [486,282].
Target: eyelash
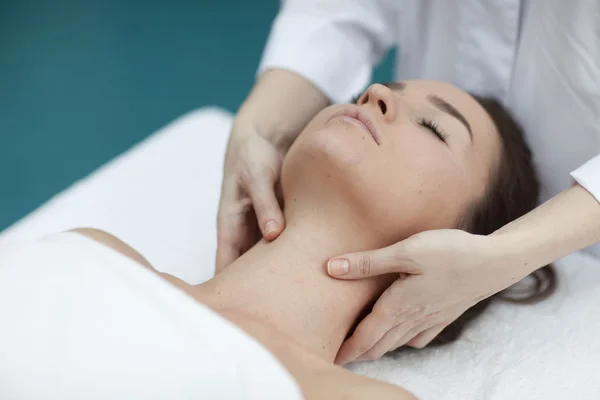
[429,124]
[433,127]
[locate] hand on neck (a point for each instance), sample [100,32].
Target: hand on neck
[285,285]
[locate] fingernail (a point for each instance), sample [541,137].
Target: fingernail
[271,226]
[338,267]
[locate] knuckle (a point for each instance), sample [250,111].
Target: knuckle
[400,253]
[250,174]
[401,319]
[384,312]
[399,316]
[409,251]
[262,208]
[420,313]
[247,175]
[415,242]
[230,218]
[364,265]
[396,308]
[362,349]
[418,320]
[434,314]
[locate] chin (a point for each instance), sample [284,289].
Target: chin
[334,175]
[335,146]
[334,154]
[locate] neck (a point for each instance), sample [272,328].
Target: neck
[284,284]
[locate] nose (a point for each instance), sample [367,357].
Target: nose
[382,101]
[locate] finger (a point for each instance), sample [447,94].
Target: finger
[425,337]
[368,332]
[385,344]
[279,194]
[226,254]
[413,332]
[268,212]
[404,330]
[392,259]
[229,214]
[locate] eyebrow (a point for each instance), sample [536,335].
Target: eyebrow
[438,103]
[448,108]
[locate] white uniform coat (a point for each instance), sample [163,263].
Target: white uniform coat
[540,57]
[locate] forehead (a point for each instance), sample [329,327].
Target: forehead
[417,91]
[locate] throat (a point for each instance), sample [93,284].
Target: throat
[284,285]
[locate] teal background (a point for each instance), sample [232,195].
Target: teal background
[82,81]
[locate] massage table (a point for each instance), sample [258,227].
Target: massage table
[161,197]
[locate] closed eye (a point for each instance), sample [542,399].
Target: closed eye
[434,127]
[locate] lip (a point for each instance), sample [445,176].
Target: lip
[362,118]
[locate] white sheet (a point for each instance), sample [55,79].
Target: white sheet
[162,196]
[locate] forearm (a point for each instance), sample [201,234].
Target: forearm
[566,223]
[280,105]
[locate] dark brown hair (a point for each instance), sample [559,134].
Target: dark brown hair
[512,192]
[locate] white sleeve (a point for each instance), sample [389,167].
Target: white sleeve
[588,176]
[332,43]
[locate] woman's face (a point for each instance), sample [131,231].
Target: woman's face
[412,156]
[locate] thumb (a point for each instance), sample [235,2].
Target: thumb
[268,212]
[392,259]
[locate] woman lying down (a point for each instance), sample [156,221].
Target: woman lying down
[87,316]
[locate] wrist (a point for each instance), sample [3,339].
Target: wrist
[279,106]
[514,257]
[278,132]
[568,222]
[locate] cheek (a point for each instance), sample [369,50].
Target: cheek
[410,185]
[422,188]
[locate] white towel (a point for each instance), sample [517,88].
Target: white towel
[81,321]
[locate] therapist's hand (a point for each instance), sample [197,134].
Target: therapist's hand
[249,205]
[277,109]
[441,273]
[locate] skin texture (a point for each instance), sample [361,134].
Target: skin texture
[343,192]
[278,108]
[413,181]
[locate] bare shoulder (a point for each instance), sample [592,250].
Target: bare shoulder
[317,378]
[338,383]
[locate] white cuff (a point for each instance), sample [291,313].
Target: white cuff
[588,176]
[336,60]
